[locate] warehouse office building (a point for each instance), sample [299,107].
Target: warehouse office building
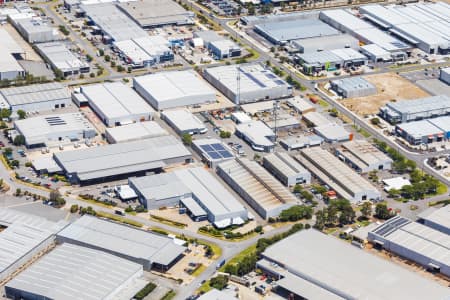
[165,90]
[134,132]
[436,218]
[363,156]
[420,132]
[336,174]
[75,272]
[22,237]
[296,143]
[444,75]
[220,47]
[353,87]
[418,109]
[257,134]
[151,250]
[375,53]
[286,169]
[114,24]
[212,151]
[54,130]
[145,51]
[117,161]
[36,30]
[345,272]
[300,105]
[414,241]
[154,13]
[255,81]
[423,25]
[117,104]
[282,32]
[62,59]
[183,121]
[35,97]
[266,195]
[333,132]
[195,189]
[325,43]
[10,69]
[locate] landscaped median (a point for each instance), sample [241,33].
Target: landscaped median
[168,221]
[117,218]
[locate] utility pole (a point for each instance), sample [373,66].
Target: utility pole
[276,107]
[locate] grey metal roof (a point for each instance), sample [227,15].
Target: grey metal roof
[416,238]
[348,272]
[419,129]
[183,120]
[161,186]
[122,240]
[24,233]
[156,12]
[136,131]
[193,207]
[353,83]
[9,47]
[321,57]
[285,164]
[365,152]
[60,56]
[296,29]
[35,93]
[439,216]
[116,100]
[257,132]
[420,105]
[322,43]
[123,158]
[113,21]
[74,272]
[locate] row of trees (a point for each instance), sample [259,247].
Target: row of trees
[339,212]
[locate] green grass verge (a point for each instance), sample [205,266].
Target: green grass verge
[199,270]
[441,189]
[95,202]
[117,218]
[236,259]
[145,291]
[322,103]
[167,221]
[169,295]
[204,288]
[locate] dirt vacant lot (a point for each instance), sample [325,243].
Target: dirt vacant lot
[390,86]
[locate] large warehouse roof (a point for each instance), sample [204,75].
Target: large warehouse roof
[295,29]
[115,99]
[60,56]
[420,105]
[113,21]
[167,87]
[34,93]
[9,47]
[257,133]
[123,158]
[364,153]
[321,43]
[121,240]
[348,272]
[438,216]
[74,272]
[160,186]
[148,13]
[285,164]
[134,131]
[183,120]
[338,172]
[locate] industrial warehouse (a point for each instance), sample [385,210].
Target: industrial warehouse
[36,97]
[145,51]
[346,273]
[286,169]
[110,162]
[267,196]
[419,243]
[363,156]
[258,135]
[418,109]
[183,121]
[220,47]
[353,87]
[22,237]
[116,104]
[54,130]
[180,187]
[74,272]
[62,59]
[336,174]
[436,218]
[35,30]
[425,131]
[445,75]
[153,13]
[134,132]
[151,250]
[325,43]
[212,151]
[173,89]
[10,69]
[423,25]
[247,83]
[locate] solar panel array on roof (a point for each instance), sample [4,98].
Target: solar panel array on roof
[216,151]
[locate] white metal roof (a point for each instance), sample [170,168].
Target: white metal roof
[439,216]
[257,132]
[35,93]
[9,46]
[122,239]
[60,56]
[116,100]
[75,272]
[349,272]
[136,131]
[183,119]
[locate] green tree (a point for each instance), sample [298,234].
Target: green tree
[187,139]
[366,210]
[225,134]
[5,113]
[298,189]
[74,208]
[18,192]
[8,151]
[107,58]
[321,219]
[54,195]
[101,52]
[296,212]
[375,121]
[307,196]
[219,282]
[382,211]
[19,140]
[22,114]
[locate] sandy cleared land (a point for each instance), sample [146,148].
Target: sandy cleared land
[390,86]
[30,54]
